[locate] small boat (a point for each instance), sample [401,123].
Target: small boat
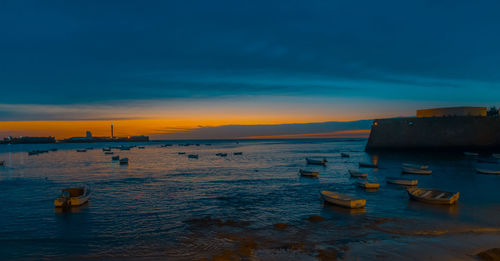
[124,148]
[124,161]
[221,154]
[368,185]
[2,162]
[357,174]
[72,197]
[416,171]
[238,153]
[141,147]
[81,150]
[402,181]
[32,153]
[42,151]
[306,173]
[181,153]
[344,155]
[433,196]
[342,200]
[367,165]
[108,152]
[471,154]
[106,149]
[117,157]
[415,166]
[487,171]
[53,149]
[193,156]
[316,162]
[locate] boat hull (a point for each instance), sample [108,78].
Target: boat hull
[340,200]
[440,201]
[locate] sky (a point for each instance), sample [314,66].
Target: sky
[158,67]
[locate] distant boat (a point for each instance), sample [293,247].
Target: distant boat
[342,200]
[141,147]
[117,157]
[2,162]
[108,152]
[433,196]
[124,161]
[490,172]
[193,156]
[344,155]
[72,197]
[306,173]
[367,165]
[221,154]
[316,162]
[368,185]
[32,153]
[89,148]
[471,154]
[53,149]
[181,153]
[357,174]
[415,166]
[406,170]
[81,150]
[401,181]
[238,153]
[106,149]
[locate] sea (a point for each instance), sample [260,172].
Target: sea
[255,206]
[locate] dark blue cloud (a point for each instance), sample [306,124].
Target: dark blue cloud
[65,52]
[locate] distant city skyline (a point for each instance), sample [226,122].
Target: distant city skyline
[176,66]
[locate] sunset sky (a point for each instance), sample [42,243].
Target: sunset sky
[158,67]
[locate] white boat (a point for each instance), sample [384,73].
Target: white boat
[416,171]
[344,155]
[471,154]
[316,162]
[193,156]
[357,174]
[367,165]
[342,200]
[115,157]
[124,161]
[306,173]
[72,197]
[368,185]
[415,166]
[401,181]
[487,171]
[433,196]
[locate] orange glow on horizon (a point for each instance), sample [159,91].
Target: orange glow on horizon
[327,135]
[123,128]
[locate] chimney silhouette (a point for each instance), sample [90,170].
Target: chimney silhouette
[112,130]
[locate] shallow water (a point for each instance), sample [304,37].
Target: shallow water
[164,205]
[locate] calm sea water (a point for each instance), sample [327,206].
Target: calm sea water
[166,206]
